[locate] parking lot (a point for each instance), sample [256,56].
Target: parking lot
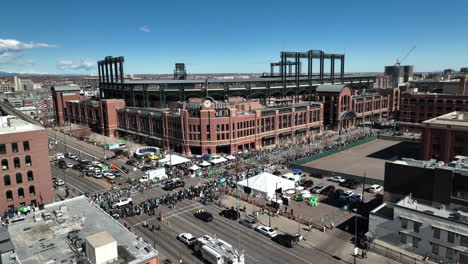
[368,158]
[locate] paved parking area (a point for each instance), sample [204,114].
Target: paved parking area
[357,160]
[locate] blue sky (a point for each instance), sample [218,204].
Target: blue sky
[229,36]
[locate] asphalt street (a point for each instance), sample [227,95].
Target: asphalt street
[257,247]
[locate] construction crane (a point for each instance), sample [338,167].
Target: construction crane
[398,61]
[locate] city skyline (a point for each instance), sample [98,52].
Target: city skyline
[240,37]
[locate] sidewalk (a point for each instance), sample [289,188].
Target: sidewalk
[335,243]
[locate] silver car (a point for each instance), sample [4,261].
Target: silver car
[249,222]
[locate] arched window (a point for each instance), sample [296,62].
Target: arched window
[6,180]
[27,160]
[9,196]
[32,190]
[21,193]
[30,176]
[4,164]
[16,162]
[19,178]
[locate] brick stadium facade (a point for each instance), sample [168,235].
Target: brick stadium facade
[99,115]
[60,95]
[209,127]
[25,171]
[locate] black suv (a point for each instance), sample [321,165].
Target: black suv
[205,216]
[230,214]
[350,183]
[286,240]
[173,185]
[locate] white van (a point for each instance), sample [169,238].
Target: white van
[122,202]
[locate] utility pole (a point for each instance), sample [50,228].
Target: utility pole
[355,237]
[363,186]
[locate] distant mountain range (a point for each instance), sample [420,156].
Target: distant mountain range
[7,74]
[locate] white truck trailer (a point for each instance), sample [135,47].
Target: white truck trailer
[218,251]
[150,175]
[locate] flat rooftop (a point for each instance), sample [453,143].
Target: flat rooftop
[11,124]
[456,120]
[46,241]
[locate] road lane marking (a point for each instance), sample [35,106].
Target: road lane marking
[177,213]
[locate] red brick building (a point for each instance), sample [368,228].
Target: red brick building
[60,95]
[209,127]
[344,108]
[99,115]
[418,107]
[25,167]
[445,137]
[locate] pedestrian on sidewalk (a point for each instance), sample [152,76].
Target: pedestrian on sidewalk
[332,225]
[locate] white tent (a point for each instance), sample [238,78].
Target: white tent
[194,168]
[230,157]
[265,184]
[205,164]
[172,160]
[219,160]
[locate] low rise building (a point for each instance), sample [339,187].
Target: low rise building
[7,250]
[25,168]
[445,137]
[430,231]
[60,95]
[430,182]
[77,231]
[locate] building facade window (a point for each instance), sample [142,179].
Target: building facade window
[26,146]
[416,227]
[21,193]
[435,249]
[463,241]
[415,242]
[30,176]
[436,233]
[16,163]
[32,190]
[14,147]
[19,178]
[404,223]
[3,149]
[403,238]
[6,180]
[28,161]
[450,237]
[4,164]
[9,195]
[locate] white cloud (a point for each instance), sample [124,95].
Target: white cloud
[13,58]
[13,45]
[83,64]
[145,28]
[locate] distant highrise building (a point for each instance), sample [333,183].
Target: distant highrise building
[180,73]
[448,71]
[464,70]
[7,87]
[23,84]
[399,74]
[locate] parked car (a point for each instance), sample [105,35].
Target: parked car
[307,183]
[317,175]
[111,181]
[204,216]
[69,165]
[173,185]
[267,231]
[337,179]
[317,189]
[329,190]
[286,240]
[187,238]
[59,182]
[122,202]
[375,188]
[350,183]
[338,193]
[345,196]
[249,222]
[230,214]
[355,197]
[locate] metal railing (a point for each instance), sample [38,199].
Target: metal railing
[395,255]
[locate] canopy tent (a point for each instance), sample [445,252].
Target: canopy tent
[205,164]
[194,168]
[264,185]
[230,157]
[206,156]
[297,170]
[172,160]
[218,160]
